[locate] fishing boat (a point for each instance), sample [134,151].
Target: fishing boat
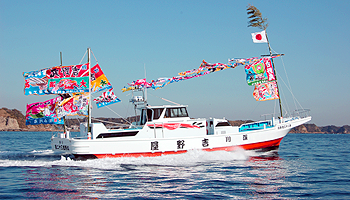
[169,129]
[160,130]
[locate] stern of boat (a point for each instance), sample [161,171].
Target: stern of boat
[61,143]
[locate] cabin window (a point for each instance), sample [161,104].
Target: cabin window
[223,124]
[176,112]
[143,116]
[157,112]
[150,114]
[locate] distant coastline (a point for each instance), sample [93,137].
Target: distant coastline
[14,120]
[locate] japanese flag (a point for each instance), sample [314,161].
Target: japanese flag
[259,37]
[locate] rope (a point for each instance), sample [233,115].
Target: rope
[289,87]
[83,58]
[94,56]
[285,71]
[166,100]
[280,78]
[254,108]
[117,114]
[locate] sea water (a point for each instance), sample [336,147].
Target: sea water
[306,166]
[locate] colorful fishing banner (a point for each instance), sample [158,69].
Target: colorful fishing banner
[205,68]
[99,80]
[75,105]
[43,112]
[266,91]
[260,71]
[106,98]
[68,79]
[57,80]
[36,82]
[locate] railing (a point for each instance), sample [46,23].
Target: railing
[256,126]
[271,115]
[301,113]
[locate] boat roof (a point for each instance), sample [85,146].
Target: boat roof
[167,106]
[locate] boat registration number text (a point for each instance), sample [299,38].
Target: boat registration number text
[285,126]
[62,147]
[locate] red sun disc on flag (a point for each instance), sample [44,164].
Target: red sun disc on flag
[258,37]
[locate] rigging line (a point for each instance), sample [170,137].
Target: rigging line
[94,56]
[290,91]
[255,108]
[284,96]
[273,50]
[83,57]
[126,107]
[288,86]
[295,100]
[285,105]
[117,114]
[285,71]
[166,100]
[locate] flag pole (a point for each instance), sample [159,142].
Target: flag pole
[274,71]
[64,117]
[89,102]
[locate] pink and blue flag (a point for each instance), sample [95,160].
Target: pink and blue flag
[57,80]
[260,71]
[43,112]
[106,98]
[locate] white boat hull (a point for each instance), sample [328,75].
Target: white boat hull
[156,141]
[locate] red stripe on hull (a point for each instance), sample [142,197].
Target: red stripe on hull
[259,145]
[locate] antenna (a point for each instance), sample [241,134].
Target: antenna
[145,89]
[61,57]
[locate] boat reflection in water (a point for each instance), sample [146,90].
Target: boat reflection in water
[196,174]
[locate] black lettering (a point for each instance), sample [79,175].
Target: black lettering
[62,147]
[180,144]
[154,145]
[245,137]
[205,142]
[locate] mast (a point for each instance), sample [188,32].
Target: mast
[256,20]
[274,71]
[89,108]
[64,117]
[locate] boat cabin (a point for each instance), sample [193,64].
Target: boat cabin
[152,113]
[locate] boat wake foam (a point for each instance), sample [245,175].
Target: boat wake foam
[48,158]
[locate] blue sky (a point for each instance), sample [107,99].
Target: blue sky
[167,37]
